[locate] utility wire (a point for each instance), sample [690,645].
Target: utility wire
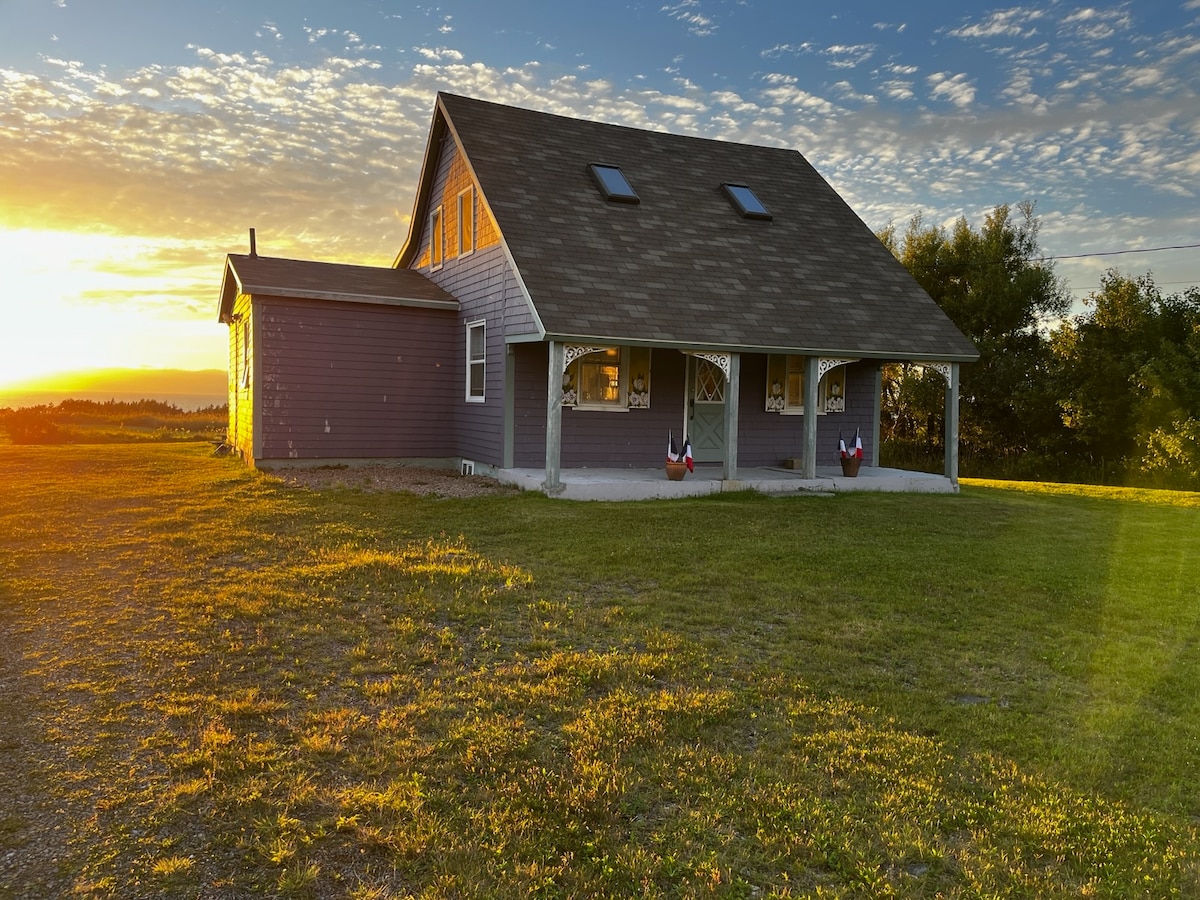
[1119,252]
[998,262]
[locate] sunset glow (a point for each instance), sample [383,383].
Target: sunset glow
[83,301]
[134,157]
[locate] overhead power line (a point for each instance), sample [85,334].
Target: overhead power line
[1119,252]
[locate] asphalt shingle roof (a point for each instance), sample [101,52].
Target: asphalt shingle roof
[682,266]
[328,281]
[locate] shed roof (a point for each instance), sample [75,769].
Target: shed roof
[682,266]
[246,274]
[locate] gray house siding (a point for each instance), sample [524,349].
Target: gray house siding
[486,288]
[768,438]
[342,380]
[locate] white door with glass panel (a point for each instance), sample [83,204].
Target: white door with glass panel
[706,410]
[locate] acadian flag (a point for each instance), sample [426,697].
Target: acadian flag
[687,454]
[842,447]
[857,445]
[672,450]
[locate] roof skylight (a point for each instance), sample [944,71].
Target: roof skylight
[613,183]
[745,201]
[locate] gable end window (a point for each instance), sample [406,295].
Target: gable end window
[466,222]
[746,202]
[437,239]
[476,361]
[613,184]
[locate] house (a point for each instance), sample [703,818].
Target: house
[571,292]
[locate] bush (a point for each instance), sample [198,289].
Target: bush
[33,425]
[1173,456]
[88,422]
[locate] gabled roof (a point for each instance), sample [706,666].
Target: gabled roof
[245,274]
[682,266]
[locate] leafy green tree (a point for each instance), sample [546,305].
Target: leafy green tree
[996,287]
[1129,375]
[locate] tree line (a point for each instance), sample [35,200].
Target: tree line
[1109,395]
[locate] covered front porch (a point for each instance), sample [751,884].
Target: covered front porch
[749,416]
[652,484]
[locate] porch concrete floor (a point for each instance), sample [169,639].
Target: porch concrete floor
[652,484]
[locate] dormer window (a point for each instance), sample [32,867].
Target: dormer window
[613,184]
[745,201]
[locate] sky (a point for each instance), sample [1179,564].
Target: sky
[140,140]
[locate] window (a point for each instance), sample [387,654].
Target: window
[437,239]
[613,184]
[785,387]
[476,360]
[600,378]
[745,201]
[613,378]
[245,378]
[466,222]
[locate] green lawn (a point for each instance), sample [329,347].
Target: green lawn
[220,686]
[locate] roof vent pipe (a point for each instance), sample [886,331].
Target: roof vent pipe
[253,245]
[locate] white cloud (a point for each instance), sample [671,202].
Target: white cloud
[958,89]
[848,92]
[790,49]
[897,89]
[1015,22]
[439,53]
[1096,25]
[843,56]
[688,12]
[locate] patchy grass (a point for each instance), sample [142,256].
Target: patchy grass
[234,687]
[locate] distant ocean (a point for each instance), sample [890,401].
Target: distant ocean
[19,399]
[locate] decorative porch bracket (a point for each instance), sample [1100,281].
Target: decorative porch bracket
[572,352]
[942,368]
[828,364]
[723,361]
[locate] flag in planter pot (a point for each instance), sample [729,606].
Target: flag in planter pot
[842,447]
[672,450]
[857,445]
[687,454]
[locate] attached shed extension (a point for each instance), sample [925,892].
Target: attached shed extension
[330,362]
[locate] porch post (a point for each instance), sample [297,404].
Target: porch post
[554,374]
[732,389]
[811,378]
[510,390]
[952,425]
[877,415]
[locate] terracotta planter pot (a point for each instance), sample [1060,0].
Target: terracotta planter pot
[676,470]
[850,466]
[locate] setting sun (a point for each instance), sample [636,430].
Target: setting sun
[80,301]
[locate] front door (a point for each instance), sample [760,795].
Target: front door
[706,410]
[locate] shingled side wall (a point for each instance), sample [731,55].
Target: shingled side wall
[354,381]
